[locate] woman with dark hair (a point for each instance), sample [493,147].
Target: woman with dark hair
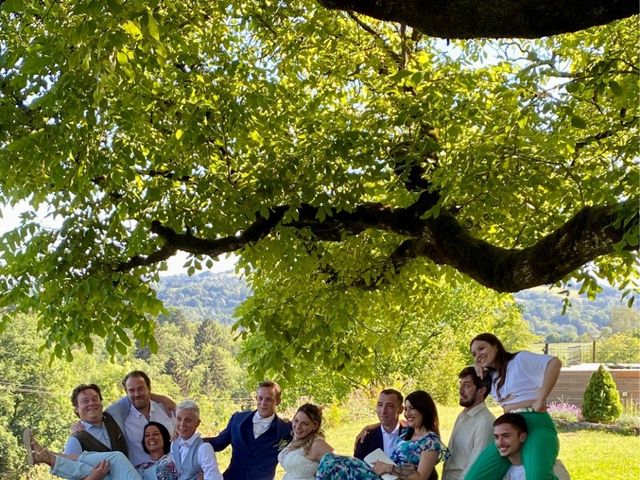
[301,457]
[521,383]
[109,465]
[156,441]
[415,453]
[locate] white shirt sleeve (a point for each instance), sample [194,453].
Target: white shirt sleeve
[533,365]
[208,462]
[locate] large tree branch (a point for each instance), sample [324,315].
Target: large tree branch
[492,18]
[592,232]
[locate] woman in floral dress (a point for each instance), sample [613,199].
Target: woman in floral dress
[415,453]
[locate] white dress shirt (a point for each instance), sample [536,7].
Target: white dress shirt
[261,425]
[388,439]
[206,457]
[134,430]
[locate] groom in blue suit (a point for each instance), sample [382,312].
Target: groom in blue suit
[256,437]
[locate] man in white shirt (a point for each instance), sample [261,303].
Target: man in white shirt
[388,409]
[135,410]
[510,432]
[473,429]
[193,458]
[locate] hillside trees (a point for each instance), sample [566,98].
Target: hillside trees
[35,389]
[199,356]
[351,150]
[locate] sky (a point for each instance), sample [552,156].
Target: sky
[10,218]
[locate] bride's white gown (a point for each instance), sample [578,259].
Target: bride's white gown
[296,465]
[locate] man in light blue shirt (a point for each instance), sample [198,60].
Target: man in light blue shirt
[100,431]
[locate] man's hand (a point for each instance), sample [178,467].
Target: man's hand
[99,471]
[77,427]
[168,404]
[364,432]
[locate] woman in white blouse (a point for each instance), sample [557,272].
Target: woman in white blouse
[521,383]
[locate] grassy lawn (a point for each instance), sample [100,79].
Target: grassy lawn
[588,455]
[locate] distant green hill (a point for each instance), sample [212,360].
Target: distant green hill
[205,295]
[216,295]
[542,309]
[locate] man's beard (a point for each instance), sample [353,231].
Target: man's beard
[141,403]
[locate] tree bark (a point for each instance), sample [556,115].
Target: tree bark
[492,18]
[592,232]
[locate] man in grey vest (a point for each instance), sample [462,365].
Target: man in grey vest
[193,458]
[101,433]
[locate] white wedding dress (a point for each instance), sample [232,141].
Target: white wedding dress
[296,465]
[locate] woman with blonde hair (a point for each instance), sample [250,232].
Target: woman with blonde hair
[301,457]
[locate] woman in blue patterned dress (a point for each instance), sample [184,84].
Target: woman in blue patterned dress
[415,453]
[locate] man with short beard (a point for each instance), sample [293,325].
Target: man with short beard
[473,429]
[135,410]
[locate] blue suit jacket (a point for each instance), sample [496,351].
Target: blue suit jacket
[251,459]
[372,441]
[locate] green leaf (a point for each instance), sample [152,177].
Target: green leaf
[153,27]
[132,29]
[578,122]
[14,6]
[615,88]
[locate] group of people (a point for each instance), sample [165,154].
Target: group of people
[131,439]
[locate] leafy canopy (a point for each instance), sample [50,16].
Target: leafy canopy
[325,147]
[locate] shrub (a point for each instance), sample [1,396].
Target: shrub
[601,398]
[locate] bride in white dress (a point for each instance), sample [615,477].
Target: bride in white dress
[301,457]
